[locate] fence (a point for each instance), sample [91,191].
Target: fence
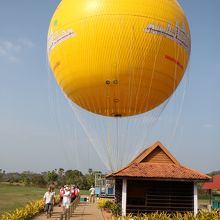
[68,212]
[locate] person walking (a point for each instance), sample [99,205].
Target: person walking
[77,191]
[66,198]
[62,191]
[49,198]
[92,194]
[73,195]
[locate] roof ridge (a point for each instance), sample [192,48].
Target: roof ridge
[147,151]
[157,169]
[150,149]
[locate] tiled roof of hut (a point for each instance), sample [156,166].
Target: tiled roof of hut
[215,184]
[156,162]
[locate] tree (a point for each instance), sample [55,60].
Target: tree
[61,172]
[91,177]
[39,180]
[85,183]
[61,175]
[90,171]
[69,177]
[13,177]
[52,176]
[25,179]
[74,177]
[2,173]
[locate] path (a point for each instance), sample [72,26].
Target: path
[87,211]
[84,211]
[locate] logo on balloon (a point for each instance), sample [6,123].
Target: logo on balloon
[58,37]
[177,33]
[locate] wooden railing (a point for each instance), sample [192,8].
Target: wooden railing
[68,212]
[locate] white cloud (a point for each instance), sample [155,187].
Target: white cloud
[11,50]
[2,51]
[26,42]
[10,46]
[7,45]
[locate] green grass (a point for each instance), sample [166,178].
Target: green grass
[12,196]
[84,192]
[16,196]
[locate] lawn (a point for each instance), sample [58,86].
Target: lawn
[13,196]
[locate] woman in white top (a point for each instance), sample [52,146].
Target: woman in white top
[66,198]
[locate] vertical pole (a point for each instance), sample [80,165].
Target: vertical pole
[195,198]
[69,211]
[73,207]
[124,197]
[210,200]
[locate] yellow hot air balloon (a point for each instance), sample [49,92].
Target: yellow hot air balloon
[118,57]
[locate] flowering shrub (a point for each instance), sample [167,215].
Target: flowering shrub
[202,215]
[102,202]
[111,205]
[116,211]
[30,210]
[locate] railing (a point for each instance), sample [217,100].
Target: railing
[68,212]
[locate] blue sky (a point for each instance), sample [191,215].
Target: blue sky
[38,130]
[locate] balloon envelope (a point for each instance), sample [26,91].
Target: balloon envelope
[118,58]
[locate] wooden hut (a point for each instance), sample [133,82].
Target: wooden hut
[156,181]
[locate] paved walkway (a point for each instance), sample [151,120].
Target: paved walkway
[84,211]
[87,211]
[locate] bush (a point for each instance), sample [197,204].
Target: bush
[115,209]
[30,210]
[104,203]
[111,205]
[202,215]
[27,212]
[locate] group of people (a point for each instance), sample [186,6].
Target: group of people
[67,195]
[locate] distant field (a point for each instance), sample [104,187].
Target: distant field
[12,196]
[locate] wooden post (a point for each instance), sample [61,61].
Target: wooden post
[124,197]
[210,197]
[65,214]
[210,200]
[68,213]
[71,209]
